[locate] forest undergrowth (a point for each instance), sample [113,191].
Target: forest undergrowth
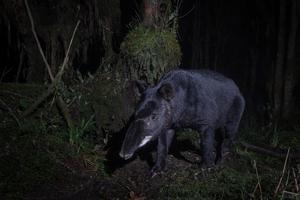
[43,159]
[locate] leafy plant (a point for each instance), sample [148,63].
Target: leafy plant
[76,134]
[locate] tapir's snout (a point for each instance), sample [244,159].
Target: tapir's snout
[132,140]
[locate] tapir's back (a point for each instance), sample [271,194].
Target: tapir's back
[202,94]
[209,82]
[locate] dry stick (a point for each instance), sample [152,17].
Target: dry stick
[66,59]
[44,96]
[37,40]
[287,179]
[4,73]
[14,94]
[267,151]
[62,105]
[291,193]
[295,179]
[282,175]
[258,181]
[255,188]
[51,88]
[20,64]
[11,113]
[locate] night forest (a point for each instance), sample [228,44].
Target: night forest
[71,74]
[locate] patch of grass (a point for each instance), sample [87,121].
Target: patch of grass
[76,134]
[237,180]
[225,184]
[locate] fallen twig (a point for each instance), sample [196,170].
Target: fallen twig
[295,180]
[283,172]
[21,58]
[11,113]
[267,151]
[258,185]
[287,178]
[4,73]
[291,194]
[14,94]
[44,96]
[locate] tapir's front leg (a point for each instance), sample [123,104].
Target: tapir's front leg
[207,145]
[164,142]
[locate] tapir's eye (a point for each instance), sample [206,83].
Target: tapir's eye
[154,117]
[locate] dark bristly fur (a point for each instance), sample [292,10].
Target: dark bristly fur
[202,100]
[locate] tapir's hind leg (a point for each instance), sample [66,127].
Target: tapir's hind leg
[219,137]
[231,127]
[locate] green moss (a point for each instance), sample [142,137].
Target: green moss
[149,52]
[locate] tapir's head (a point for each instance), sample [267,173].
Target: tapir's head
[151,118]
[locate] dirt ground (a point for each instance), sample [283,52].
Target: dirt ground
[133,181]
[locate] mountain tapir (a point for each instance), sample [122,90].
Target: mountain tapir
[202,100]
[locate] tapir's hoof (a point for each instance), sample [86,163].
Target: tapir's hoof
[225,156]
[219,161]
[156,170]
[207,167]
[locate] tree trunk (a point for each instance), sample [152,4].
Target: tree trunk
[197,47]
[208,32]
[278,71]
[290,72]
[150,11]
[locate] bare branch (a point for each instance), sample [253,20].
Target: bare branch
[258,185]
[37,41]
[267,151]
[11,113]
[61,104]
[295,180]
[283,172]
[66,59]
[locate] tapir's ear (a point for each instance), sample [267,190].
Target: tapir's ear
[166,91]
[141,86]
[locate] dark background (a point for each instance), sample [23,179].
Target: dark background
[253,42]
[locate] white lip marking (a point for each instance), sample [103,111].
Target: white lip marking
[145,140]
